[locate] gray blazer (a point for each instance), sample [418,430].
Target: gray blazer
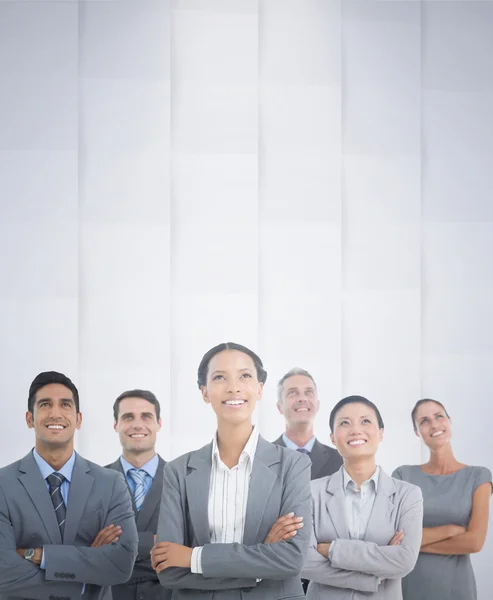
[144,581]
[97,497]
[279,484]
[325,460]
[367,568]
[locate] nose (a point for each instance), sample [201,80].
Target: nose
[235,386]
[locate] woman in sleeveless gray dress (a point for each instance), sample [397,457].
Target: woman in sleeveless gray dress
[456,507]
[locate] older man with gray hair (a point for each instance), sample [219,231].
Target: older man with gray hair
[297,401]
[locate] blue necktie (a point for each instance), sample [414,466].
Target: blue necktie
[138,477]
[55,481]
[304,451]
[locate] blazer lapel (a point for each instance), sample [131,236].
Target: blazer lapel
[336,504]
[117,466]
[152,499]
[261,484]
[34,484]
[80,489]
[197,485]
[382,507]
[279,442]
[319,458]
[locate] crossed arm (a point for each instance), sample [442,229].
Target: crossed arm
[452,539]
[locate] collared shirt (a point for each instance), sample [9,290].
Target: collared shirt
[358,504]
[66,471]
[150,468]
[290,444]
[228,496]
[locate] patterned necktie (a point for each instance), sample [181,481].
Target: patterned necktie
[55,481]
[304,451]
[138,477]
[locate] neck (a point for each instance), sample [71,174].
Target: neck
[300,434]
[231,439]
[138,460]
[360,470]
[442,460]
[55,457]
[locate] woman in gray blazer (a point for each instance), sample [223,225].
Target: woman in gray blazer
[232,513]
[366,526]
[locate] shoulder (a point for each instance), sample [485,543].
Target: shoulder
[9,471]
[325,448]
[408,491]
[405,472]
[279,441]
[480,475]
[104,474]
[319,486]
[114,465]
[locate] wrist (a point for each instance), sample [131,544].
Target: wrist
[38,556]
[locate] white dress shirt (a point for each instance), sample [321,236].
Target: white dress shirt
[358,504]
[228,496]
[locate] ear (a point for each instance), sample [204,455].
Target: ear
[114,425]
[260,390]
[29,419]
[332,439]
[79,420]
[380,435]
[279,408]
[205,395]
[160,424]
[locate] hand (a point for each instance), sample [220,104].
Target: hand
[323,549]
[36,559]
[397,539]
[284,528]
[106,536]
[169,554]
[456,530]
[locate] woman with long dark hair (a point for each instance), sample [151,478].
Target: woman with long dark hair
[232,513]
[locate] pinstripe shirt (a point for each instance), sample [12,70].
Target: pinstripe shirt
[228,496]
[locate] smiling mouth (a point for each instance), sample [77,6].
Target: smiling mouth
[235,402]
[137,436]
[56,427]
[302,409]
[437,434]
[356,443]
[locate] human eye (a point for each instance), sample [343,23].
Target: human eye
[247,375]
[216,377]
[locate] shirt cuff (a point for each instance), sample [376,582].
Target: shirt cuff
[196,560]
[83,589]
[331,549]
[43,561]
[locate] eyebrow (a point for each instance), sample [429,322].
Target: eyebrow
[51,400]
[434,414]
[132,414]
[362,417]
[221,371]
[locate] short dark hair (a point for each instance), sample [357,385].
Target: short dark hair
[47,378]
[424,401]
[144,394]
[353,400]
[204,363]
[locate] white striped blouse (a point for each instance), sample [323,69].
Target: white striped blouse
[228,496]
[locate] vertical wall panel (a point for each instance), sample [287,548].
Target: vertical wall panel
[458,229]
[214,248]
[38,204]
[299,194]
[381,215]
[124,212]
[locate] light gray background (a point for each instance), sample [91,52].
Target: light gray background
[311,178]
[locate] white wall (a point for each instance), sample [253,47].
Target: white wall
[308,177]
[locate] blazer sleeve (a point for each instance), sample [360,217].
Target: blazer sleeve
[107,565]
[387,562]
[19,577]
[281,560]
[172,528]
[318,568]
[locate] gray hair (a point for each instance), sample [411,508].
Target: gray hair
[291,373]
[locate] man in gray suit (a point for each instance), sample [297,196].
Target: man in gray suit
[66,525]
[137,416]
[297,401]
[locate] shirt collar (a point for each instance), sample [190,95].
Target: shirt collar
[247,452]
[290,444]
[150,466]
[347,479]
[46,469]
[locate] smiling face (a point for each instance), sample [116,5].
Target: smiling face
[54,417]
[232,387]
[300,403]
[356,431]
[432,424]
[137,425]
